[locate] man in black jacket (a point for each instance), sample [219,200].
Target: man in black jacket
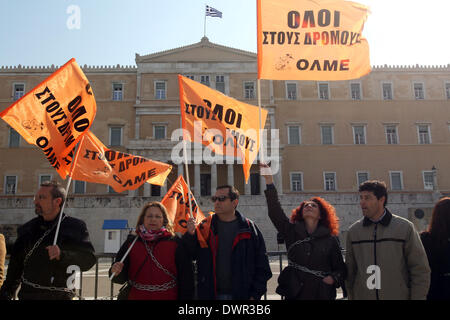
[232,261]
[44,270]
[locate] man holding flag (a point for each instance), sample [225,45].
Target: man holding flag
[44,270]
[230,252]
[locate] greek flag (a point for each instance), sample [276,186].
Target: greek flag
[210,11]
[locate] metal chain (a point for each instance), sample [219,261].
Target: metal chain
[154,287]
[294,265]
[150,252]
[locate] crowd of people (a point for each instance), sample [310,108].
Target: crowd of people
[224,257]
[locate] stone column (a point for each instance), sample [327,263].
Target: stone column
[137,127]
[147,190]
[247,187]
[230,179]
[196,180]
[213,178]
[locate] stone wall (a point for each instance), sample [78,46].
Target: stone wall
[15,211]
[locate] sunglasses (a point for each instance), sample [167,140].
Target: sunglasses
[221,198]
[311,204]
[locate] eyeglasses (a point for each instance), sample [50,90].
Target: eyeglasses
[220,198]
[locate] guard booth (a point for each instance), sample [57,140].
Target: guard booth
[116,232]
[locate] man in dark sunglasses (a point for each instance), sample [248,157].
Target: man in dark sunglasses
[232,261]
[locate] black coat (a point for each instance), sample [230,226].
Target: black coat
[439,259]
[76,249]
[249,262]
[321,253]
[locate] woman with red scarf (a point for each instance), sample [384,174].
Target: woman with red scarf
[157,267]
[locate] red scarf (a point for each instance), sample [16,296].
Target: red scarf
[152,235]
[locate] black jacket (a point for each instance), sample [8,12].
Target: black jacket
[439,259]
[321,253]
[183,262]
[249,263]
[76,249]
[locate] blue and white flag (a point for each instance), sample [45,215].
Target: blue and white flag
[210,11]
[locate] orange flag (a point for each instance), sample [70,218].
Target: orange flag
[176,202]
[227,126]
[311,40]
[122,171]
[55,114]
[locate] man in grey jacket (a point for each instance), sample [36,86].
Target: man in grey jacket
[385,258]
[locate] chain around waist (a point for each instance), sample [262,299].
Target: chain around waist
[317,273]
[154,287]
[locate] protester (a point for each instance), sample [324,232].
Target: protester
[315,263]
[230,252]
[2,259]
[436,241]
[384,255]
[157,266]
[39,267]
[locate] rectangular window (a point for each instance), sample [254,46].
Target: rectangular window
[329,181]
[204,80]
[79,187]
[291,91]
[447,90]
[391,134]
[362,176]
[159,132]
[117,91]
[324,93]
[294,135]
[220,84]
[396,180]
[249,90]
[44,177]
[155,190]
[115,136]
[355,90]
[205,184]
[424,134]
[255,184]
[359,134]
[160,90]
[428,180]
[296,181]
[14,138]
[419,93]
[190,76]
[10,184]
[19,90]
[112,235]
[387,91]
[327,134]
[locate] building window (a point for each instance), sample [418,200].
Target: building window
[296,181]
[204,80]
[255,184]
[447,90]
[428,180]
[220,84]
[419,93]
[355,91]
[190,76]
[387,91]
[362,176]
[327,134]
[424,134]
[249,90]
[14,138]
[79,187]
[44,177]
[291,90]
[159,132]
[160,90]
[117,91]
[396,180]
[329,181]
[19,91]
[359,134]
[391,134]
[115,136]
[10,184]
[324,92]
[205,184]
[155,190]
[294,135]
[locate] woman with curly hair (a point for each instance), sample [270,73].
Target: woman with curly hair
[315,264]
[436,241]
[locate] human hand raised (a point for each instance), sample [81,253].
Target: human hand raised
[266,172]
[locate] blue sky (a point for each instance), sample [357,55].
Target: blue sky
[112,31]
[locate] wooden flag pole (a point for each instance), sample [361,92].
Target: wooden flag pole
[261,142]
[187,177]
[125,255]
[72,167]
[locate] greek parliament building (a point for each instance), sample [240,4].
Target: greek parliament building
[392,124]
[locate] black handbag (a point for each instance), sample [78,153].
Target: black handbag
[288,283]
[126,288]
